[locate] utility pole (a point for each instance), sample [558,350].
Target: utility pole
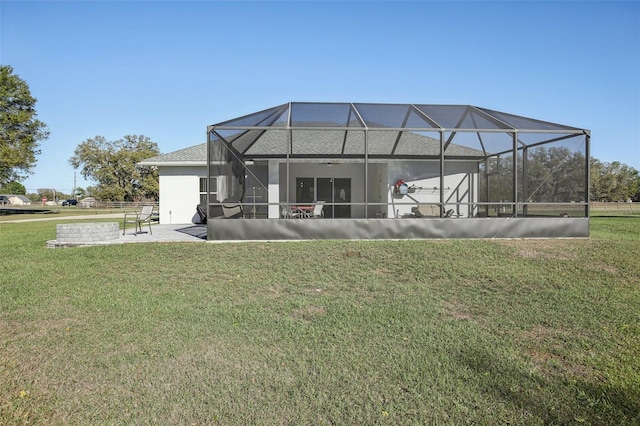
[73,195]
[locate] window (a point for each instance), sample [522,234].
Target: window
[203,189]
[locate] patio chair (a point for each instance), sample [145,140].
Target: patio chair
[232,209]
[428,210]
[145,216]
[317,210]
[289,212]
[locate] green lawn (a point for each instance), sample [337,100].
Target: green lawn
[39,212]
[326,332]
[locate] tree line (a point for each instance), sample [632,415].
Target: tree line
[614,182]
[553,174]
[556,175]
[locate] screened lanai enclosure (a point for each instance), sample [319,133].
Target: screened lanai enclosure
[395,171]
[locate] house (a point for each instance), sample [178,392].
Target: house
[183,178]
[19,200]
[381,171]
[88,202]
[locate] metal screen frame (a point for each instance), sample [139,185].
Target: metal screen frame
[251,138]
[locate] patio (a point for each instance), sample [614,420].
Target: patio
[168,234]
[160,234]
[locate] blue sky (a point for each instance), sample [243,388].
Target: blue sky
[168,69]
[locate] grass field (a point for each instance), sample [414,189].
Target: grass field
[326,332]
[37,212]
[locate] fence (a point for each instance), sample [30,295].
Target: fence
[615,205]
[123,204]
[615,208]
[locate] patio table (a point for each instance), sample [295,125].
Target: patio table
[301,211]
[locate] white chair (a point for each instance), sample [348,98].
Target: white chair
[292,212]
[145,216]
[317,210]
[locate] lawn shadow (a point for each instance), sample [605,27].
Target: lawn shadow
[553,398]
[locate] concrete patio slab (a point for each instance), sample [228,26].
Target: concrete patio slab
[160,233]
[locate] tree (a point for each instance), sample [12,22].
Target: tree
[49,193]
[91,191]
[35,198]
[15,188]
[80,193]
[546,175]
[20,130]
[555,175]
[113,165]
[614,182]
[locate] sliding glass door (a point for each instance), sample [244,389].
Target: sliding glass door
[335,192]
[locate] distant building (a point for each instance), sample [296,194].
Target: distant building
[19,200]
[88,202]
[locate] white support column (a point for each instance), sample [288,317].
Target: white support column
[274,189]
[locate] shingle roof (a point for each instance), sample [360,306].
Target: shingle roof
[332,143]
[408,145]
[192,156]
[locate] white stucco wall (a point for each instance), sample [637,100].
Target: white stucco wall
[180,186]
[179,193]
